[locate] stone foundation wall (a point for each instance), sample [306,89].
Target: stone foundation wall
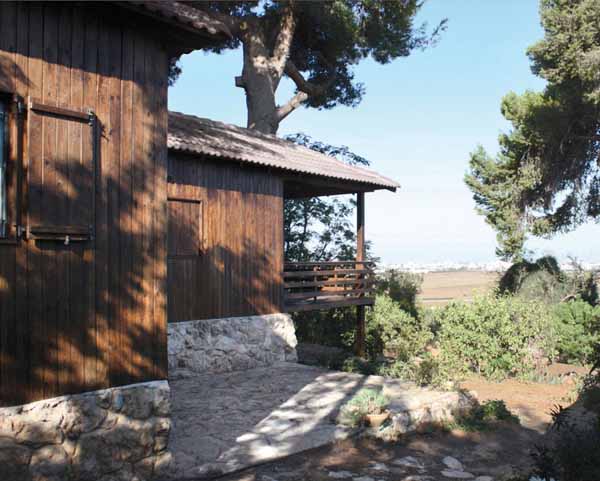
[230,344]
[111,434]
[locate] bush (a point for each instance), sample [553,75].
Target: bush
[495,336]
[575,454]
[392,332]
[577,326]
[366,401]
[484,416]
[424,371]
[334,327]
[358,365]
[401,287]
[543,280]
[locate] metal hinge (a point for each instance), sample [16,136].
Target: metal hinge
[20,106]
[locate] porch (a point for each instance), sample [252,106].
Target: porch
[312,286]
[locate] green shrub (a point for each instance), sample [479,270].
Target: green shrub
[495,336]
[358,365]
[484,416]
[364,402]
[333,327]
[402,287]
[577,327]
[542,280]
[538,279]
[393,332]
[575,453]
[425,371]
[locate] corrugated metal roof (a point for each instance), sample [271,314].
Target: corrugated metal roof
[183,14]
[191,134]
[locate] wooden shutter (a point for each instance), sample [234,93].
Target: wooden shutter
[185,227]
[62,173]
[12,153]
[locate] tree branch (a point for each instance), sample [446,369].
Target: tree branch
[283,42]
[284,110]
[301,83]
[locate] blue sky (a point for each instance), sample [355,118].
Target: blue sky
[419,119]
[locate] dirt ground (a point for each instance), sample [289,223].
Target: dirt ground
[441,287]
[495,454]
[531,401]
[492,455]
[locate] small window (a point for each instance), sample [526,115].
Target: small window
[3,161]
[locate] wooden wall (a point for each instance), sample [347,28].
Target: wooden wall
[235,216]
[90,314]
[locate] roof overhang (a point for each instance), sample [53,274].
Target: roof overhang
[184,27]
[306,173]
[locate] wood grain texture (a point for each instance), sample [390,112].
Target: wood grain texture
[84,315]
[238,270]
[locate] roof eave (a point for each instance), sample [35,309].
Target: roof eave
[196,37]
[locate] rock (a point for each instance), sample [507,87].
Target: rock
[378,466]
[223,345]
[144,468]
[49,460]
[340,474]
[14,460]
[418,477]
[39,434]
[409,462]
[163,464]
[453,463]
[484,478]
[107,435]
[138,403]
[456,474]
[93,455]
[363,478]
[162,402]
[82,415]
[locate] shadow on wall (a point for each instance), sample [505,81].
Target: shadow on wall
[89,314]
[222,283]
[89,436]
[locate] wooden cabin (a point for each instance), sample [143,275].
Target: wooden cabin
[83,191]
[107,234]
[226,189]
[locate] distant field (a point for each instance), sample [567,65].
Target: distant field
[441,287]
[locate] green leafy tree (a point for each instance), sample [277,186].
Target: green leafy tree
[321,228]
[546,177]
[316,45]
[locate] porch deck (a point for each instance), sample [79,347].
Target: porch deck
[324,285]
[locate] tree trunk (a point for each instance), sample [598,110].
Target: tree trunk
[259,83]
[260,101]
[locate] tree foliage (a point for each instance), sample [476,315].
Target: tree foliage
[546,177]
[321,228]
[316,45]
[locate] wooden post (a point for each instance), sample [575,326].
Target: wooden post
[360,256]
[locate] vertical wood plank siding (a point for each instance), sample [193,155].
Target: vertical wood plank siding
[238,271]
[89,314]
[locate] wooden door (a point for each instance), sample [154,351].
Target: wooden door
[185,248]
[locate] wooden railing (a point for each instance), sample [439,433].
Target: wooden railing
[324,285]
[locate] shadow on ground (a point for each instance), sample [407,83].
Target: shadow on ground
[488,456]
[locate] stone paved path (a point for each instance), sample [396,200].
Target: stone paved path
[225,422]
